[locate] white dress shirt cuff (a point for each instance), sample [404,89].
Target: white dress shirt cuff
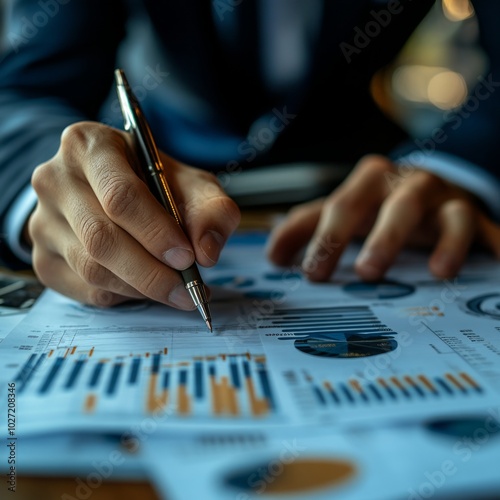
[462,173]
[15,221]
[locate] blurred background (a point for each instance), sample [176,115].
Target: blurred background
[431,77]
[435,70]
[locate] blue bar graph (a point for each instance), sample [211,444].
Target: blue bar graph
[51,376]
[96,374]
[134,371]
[73,376]
[113,381]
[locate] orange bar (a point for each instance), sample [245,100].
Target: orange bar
[50,353]
[258,406]
[427,383]
[469,380]
[382,382]
[147,355]
[409,380]
[91,352]
[66,353]
[454,381]
[260,359]
[184,406]
[223,356]
[397,383]
[165,350]
[73,350]
[225,392]
[356,386]
[90,403]
[232,401]
[327,385]
[217,405]
[162,400]
[151,405]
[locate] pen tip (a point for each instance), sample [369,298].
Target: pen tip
[209,324]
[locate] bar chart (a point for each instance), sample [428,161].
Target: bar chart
[225,385]
[328,393]
[334,332]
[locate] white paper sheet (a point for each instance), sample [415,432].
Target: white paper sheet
[284,352]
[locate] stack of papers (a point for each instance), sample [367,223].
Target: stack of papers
[337,390]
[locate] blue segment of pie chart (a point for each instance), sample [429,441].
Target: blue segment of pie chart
[381,290]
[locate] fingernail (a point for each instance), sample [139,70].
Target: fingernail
[371,264]
[180,297]
[178,258]
[211,245]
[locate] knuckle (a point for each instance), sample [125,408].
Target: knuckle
[118,196]
[229,212]
[342,201]
[74,137]
[460,208]
[43,177]
[35,226]
[41,267]
[149,282]
[81,137]
[89,270]
[98,237]
[409,200]
[372,162]
[208,177]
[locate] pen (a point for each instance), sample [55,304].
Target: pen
[154,175]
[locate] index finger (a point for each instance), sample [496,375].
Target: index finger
[125,198]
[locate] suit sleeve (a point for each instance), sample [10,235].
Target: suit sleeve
[56,67]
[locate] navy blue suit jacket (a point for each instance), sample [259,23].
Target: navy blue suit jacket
[204,94]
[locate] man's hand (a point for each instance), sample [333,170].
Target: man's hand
[99,235]
[392,212]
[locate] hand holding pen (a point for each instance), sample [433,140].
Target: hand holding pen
[154,174]
[101,237]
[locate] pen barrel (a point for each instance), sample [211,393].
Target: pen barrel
[191,275]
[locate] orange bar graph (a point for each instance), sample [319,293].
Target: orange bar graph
[427,383]
[257,406]
[90,403]
[454,381]
[155,403]
[91,352]
[183,401]
[224,397]
[50,353]
[73,350]
[356,385]
[470,381]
